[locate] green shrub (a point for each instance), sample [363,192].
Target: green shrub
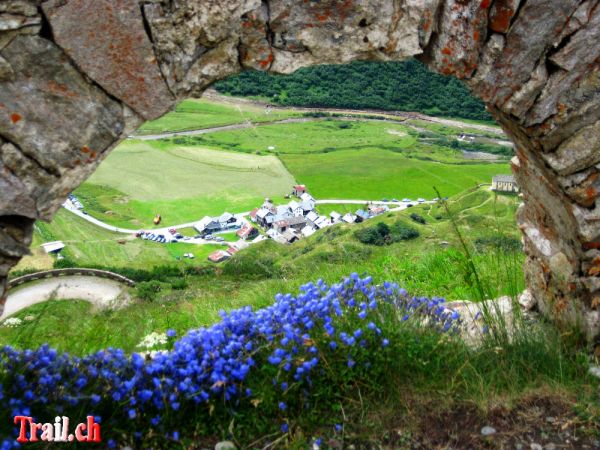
[403,232]
[148,290]
[383,234]
[417,218]
[179,284]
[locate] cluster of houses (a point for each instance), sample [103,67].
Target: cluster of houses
[208,226]
[297,219]
[225,222]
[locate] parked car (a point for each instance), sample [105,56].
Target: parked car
[187,238]
[219,239]
[172,230]
[384,199]
[421,200]
[198,236]
[396,200]
[208,237]
[406,200]
[179,236]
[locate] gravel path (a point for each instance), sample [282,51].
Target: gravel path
[100,292]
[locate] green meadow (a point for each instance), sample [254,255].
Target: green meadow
[142,178]
[430,265]
[314,136]
[372,173]
[194,114]
[89,245]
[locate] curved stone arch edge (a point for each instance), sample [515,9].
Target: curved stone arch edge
[533,62]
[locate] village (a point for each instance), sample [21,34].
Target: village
[284,224]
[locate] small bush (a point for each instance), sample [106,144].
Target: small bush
[402,232]
[179,284]
[417,218]
[383,234]
[148,290]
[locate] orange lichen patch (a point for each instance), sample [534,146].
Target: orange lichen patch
[594,271]
[426,25]
[266,62]
[93,155]
[15,117]
[500,21]
[85,149]
[591,193]
[485,4]
[446,51]
[476,35]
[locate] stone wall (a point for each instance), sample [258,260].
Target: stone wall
[76,76]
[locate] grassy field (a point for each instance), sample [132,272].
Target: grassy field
[195,114]
[87,244]
[310,137]
[429,265]
[141,179]
[372,174]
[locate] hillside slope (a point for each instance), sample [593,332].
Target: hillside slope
[404,86]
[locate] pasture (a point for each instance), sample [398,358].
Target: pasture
[311,137]
[89,245]
[372,173]
[140,179]
[195,114]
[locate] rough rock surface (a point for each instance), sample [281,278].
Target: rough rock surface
[77,76]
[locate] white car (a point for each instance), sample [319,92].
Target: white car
[406,200]
[421,200]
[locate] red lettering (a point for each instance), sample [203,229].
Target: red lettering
[33,427]
[79,432]
[93,430]
[23,430]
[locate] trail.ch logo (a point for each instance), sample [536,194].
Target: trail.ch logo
[57,431]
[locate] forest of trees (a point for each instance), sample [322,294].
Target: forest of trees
[403,86]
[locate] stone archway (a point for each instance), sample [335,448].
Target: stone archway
[76,76]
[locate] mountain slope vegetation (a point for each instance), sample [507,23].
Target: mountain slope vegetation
[404,86]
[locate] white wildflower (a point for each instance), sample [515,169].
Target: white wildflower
[153,340]
[29,318]
[12,322]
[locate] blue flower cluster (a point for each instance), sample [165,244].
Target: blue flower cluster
[294,335]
